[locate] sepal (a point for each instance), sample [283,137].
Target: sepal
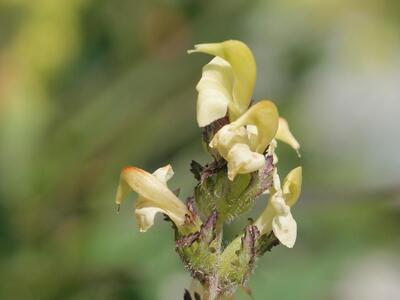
[266,242]
[197,250]
[238,260]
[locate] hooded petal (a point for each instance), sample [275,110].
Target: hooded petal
[292,186]
[264,115]
[154,195]
[215,91]
[285,135]
[241,59]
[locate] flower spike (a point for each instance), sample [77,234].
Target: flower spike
[241,136]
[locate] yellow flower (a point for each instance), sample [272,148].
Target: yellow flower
[154,196]
[242,142]
[227,82]
[226,87]
[277,216]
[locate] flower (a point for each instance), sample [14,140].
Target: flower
[277,216]
[242,142]
[227,82]
[225,88]
[154,196]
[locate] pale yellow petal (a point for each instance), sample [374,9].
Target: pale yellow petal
[164,174]
[154,195]
[264,221]
[145,217]
[215,91]
[227,137]
[292,186]
[285,229]
[233,145]
[252,133]
[242,142]
[241,160]
[276,181]
[285,135]
[145,212]
[283,224]
[264,115]
[252,130]
[240,57]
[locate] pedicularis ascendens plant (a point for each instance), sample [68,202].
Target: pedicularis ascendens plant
[241,138]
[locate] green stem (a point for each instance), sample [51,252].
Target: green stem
[214,283]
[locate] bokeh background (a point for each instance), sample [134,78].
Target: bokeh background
[88,86]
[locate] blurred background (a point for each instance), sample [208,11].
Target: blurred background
[88,86]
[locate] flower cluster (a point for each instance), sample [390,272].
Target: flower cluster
[241,135]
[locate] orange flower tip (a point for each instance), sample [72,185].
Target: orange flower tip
[127,168]
[132,169]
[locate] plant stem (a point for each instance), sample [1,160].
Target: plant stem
[214,282]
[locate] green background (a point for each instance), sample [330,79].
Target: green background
[87,87]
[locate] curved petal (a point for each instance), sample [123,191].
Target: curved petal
[292,186]
[240,57]
[264,115]
[215,91]
[154,195]
[146,210]
[145,216]
[241,160]
[284,134]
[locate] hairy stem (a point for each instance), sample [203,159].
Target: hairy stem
[214,282]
